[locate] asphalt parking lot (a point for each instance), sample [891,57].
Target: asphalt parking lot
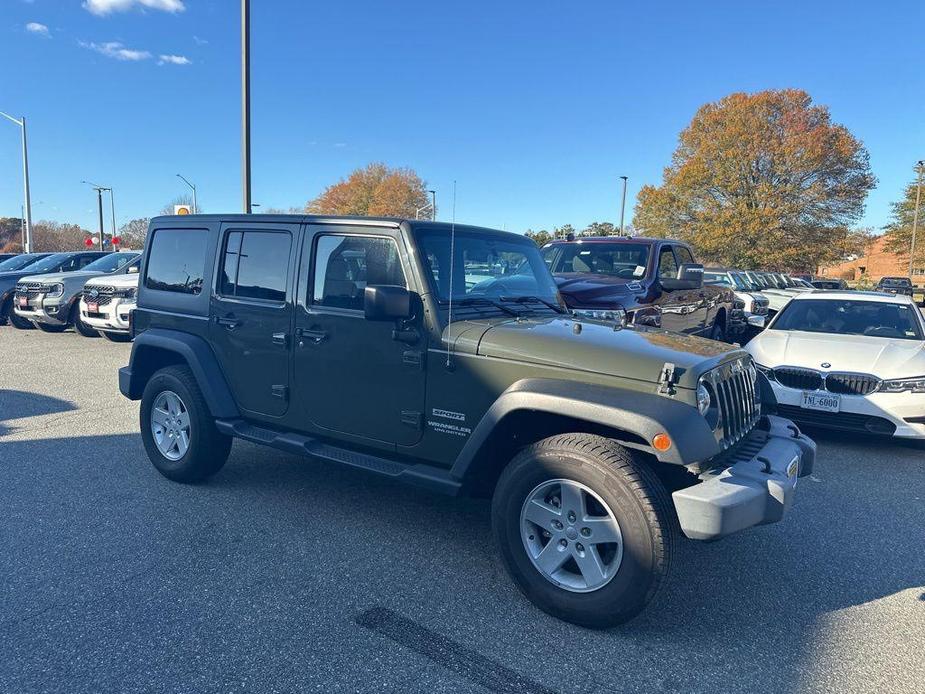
[283,574]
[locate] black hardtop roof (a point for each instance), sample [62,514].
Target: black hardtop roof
[393,222]
[616,239]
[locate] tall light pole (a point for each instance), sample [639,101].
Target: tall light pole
[99,200]
[433,205]
[246,102]
[21,122]
[919,167]
[195,205]
[622,204]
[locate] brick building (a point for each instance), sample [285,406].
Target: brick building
[877,262]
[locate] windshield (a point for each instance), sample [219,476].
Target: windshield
[626,261]
[741,281]
[49,264]
[896,282]
[19,261]
[851,317]
[111,263]
[721,278]
[487,266]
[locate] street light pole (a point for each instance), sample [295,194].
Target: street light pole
[27,247]
[193,187]
[99,199]
[622,205]
[433,205]
[919,167]
[112,210]
[246,102]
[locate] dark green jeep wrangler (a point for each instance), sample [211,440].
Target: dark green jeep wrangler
[443,356]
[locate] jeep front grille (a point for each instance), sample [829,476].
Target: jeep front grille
[734,387]
[801,379]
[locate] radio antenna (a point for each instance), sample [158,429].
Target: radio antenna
[449,327]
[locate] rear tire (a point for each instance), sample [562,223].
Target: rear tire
[79,325]
[177,429]
[19,322]
[611,483]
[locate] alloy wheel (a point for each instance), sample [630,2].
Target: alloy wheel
[170,425]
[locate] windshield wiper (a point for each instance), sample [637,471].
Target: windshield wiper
[528,299]
[481,301]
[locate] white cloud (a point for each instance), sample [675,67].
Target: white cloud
[114,49]
[40,29]
[174,60]
[104,7]
[200,41]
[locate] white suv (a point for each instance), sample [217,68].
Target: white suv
[107,303]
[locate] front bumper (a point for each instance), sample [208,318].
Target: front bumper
[38,308]
[756,487]
[112,316]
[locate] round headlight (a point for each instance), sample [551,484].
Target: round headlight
[703,399]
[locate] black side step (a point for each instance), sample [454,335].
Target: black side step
[426,476]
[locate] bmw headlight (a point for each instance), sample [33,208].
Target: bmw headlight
[53,290]
[901,385]
[617,315]
[703,399]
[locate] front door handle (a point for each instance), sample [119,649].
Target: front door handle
[313,335]
[228,322]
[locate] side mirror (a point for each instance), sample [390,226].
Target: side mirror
[690,276]
[133,270]
[384,302]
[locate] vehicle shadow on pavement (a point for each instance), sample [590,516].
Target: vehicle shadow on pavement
[277,558]
[18,404]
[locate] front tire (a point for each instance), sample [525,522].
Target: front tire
[115,337]
[19,322]
[177,429]
[79,325]
[585,530]
[49,328]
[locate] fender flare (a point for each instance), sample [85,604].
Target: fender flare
[197,355]
[642,415]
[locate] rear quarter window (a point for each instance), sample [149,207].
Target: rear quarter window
[176,260]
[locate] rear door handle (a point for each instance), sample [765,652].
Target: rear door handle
[315,336]
[228,322]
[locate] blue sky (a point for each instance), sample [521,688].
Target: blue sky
[535,108]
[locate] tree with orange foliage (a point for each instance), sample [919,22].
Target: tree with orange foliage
[761,180]
[374,191]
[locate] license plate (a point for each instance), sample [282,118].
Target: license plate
[23,302]
[93,307]
[826,402]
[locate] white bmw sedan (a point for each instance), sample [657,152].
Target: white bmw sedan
[847,360]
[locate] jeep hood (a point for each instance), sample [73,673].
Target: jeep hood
[597,347]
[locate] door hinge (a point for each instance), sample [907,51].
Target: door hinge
[411,418]
[412,357]
[281,392]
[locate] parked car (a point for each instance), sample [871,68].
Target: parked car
[14,269]
[778,290]
[830,284]
[848,360]
[895,285]
[754,304]
[358,341]
[107,302]
[7,256]
[50,301]
[639,282]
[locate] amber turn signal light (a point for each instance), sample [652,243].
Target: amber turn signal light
[661,442]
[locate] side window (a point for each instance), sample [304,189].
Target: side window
[256,265]
[683,254]
[176,260]
[344,265]
[667,266]
[69,265]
